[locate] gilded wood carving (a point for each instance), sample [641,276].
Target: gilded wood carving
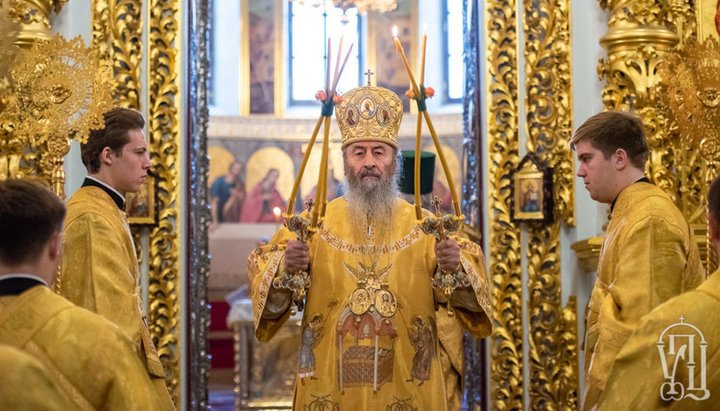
[163,145]
[504,244]
[553,381]
[117,33]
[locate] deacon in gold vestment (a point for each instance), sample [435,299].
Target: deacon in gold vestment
[88,358]
[672,360]
[21,373]
[369,331]
[100,269]
[648,254]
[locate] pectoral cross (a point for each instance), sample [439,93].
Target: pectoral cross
[369,73]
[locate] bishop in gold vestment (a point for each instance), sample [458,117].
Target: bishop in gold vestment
[386,355]
[653,373]
[648,256]
[87,357]
[100,271]
[370,328]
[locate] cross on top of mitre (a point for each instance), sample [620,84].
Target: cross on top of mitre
[369,73]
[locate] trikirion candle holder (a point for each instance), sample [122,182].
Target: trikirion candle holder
[438,225]
[299,282]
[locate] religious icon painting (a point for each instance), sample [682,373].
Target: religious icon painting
[532,192]
[385,303]
[367,107]
[351,115]
[384,115]
[140,207]
[360,301]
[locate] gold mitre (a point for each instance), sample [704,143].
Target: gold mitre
[369,114]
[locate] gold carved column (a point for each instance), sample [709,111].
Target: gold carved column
[506,345]
[118,31]
[552,338]
[164,142]
[552,344]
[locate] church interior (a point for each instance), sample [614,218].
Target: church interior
[228,90]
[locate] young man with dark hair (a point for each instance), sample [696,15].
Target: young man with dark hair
[645,375]
[100,270]
[90,362]
[649,253]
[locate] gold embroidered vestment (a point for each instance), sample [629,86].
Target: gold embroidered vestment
[369,333]
[89,359]
[100,272]
[638,380]
[648,256]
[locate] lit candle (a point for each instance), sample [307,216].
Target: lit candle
[422,63]
[400,50]
[276,212]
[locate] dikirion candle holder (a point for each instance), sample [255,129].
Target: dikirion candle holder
[438,225]
[299,282]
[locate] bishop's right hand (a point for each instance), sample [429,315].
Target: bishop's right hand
[297,256]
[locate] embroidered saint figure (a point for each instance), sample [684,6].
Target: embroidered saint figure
[421,338]
[311,333]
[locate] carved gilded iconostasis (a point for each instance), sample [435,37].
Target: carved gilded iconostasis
[523,100]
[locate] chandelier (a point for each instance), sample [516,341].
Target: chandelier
[363,6]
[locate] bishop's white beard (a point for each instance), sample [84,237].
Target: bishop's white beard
[371,201]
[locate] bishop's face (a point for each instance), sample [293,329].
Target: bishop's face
[369,163]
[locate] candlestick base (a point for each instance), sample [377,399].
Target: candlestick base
[298,283]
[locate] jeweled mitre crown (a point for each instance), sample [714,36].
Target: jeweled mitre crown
[369,113]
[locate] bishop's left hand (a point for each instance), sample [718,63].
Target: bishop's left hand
[447,253]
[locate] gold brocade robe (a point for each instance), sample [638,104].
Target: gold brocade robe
[355,355]
[90,359]
[648,256]
[100,272]
[26,385]
[639,380]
